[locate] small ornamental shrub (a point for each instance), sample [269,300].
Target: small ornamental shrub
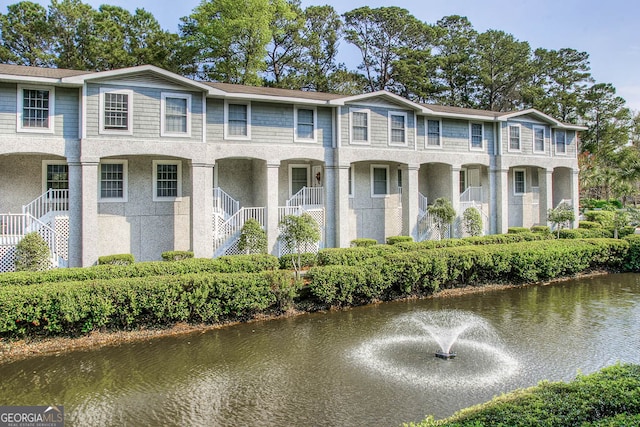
[604,218]
[516,230]
[392,240]
[176,255]
[253,239]
[117,259]
[567,233]
[589,224]
[561,217]
[363,242]
[472,221]
[32,253]
[542,229]
[444,214]
[299,234]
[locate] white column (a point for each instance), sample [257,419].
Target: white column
[545,178]
[273,170]
[75,213]
[502,200]
[342,206]
[89,208]
[330,233]
[202,210]
[410,206]
[575,196]
[455,199]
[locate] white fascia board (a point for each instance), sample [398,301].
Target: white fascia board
[25,79]
[270,98]
[381,93]
[139,69]
[461,116]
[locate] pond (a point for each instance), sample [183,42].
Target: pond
[368,366]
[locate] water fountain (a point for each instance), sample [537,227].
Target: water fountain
[400,352]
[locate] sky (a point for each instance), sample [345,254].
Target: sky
[607,30]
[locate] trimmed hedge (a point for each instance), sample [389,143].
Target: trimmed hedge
[117,259]
[226,264]
[176,255]
[309,259]
[516,230]
[367,278]
[392,240]
[71,308]
[544,229]
[589,224]
[363,242]
[610,397]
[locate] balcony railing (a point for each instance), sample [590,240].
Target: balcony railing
[50,201]
[472,194]
[307,196]
[223,203]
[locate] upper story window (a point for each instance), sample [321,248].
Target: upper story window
[561,142]
[305,124]
[476,136]
[519,181]
[113,180]
[397,128]
[237,120]
[379,180]
[35,109]
[167,180]
[514,138]
[176,112]
[360,126]
[538,139]
[434,134]
[116,111]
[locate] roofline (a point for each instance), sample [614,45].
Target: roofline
[398,98]
[81,79]
[555,123]
[272,98]
[33,79]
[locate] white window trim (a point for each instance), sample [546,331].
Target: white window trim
[463,172]
[129,94]
[406,135]
[163,114]
[524,174]
[426,134]
[155,182]
[46,163]
[296,138]
[351,184]
[514,150]
[368,113]
[471,147]
[298,166]
[20,111]
[388,189]
[125,179]
[555,142]
[226,121]
[544,139]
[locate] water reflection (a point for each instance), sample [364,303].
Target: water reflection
[302,371]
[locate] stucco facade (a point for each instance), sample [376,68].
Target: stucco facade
[142,161]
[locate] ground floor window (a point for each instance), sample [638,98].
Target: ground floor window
[113,180]
[167,180]
[56,176]
[519,183]
[299,178]
[379,180]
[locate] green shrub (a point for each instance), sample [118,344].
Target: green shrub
[626,231]
[609,397]
[353,256]
[516,230]
[227,264]
[32,253]
[363,242]
[589,224]
[542,229]
[392,240]
[604,218]
[632,262]
[72,308]
[472,221]
[253,238]
[308,259]
[568,233]
[117,259]
[176,255]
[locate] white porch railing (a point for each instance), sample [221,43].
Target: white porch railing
[564,202]
[226,233]
[483,214]
[224,204]
[422,202]
[13,227]
[307,196]
[50,201]
[428,228]
[472,194]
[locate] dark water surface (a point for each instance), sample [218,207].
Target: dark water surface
[369,366]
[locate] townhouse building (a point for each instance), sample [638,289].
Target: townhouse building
[141,160]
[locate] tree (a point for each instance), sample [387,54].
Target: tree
[73,26]
[32,253]
[444,214]
[380,34]
[26,36]
[561,216]
[229,39]
[620,220]
[456,55]
[472,221]
[298,233]
[285,48]
[503,67]
[253,239]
